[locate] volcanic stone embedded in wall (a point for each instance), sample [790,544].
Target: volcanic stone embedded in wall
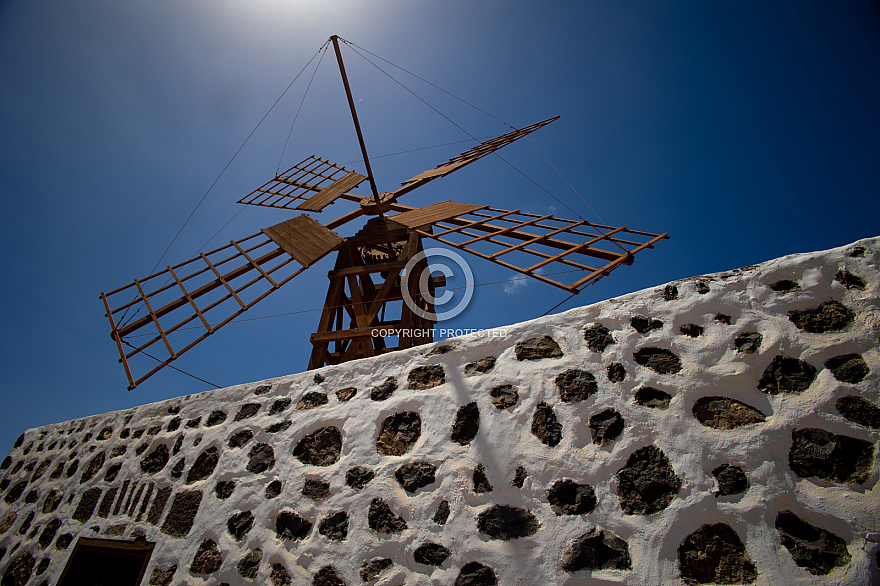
[725,413]
[714,554]
[182,513]
[207,559]
[382,520]
[273,489]
[597,550]
[519,477]
[107,502]
[279,575]
[249,565]
[481,482]
[537,348]
[289,525]
[312,400]
[507,522]
[731,480]
[177,469]
[787,375]
[670,292]
[691,330]
[280,405]
[155,460]
[651,397]
[240,438]
[567,497]
[475,574]
[260,458]
[385,390]
[660,360]
[442,513]
[327,576]
[504,396]
[647,484]
[748,342]
[606,426]
[204,465]
[830,456]
[643,325]
[316,489]
[346,393]
[466,425]
[87,504]
[849,280]
[481,366]
[279,427]
[575,385]
[785,286]
[415,475]
[215,418]
[616,372]
[431,554]
[358,477]
[224,489]
[426,377]
[849,368]
[334,527]
[813,548]
[831,316]
[598,337]
[859,410]
[162,496]
[398,433]
[239,524]
[374,568]
[49,532]
[545,426]
[319,448]
[19,570]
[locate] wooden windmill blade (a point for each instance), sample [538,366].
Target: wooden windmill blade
[310,185]
[539,246]
[157,319]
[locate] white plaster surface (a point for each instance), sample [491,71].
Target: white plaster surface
[711,366]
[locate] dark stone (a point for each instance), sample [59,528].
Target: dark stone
[849,280]
[42,567]
[7,521]
[660,360]
[537,348]
[260,458]
[859,410]
[731,480]
[107,502]
[122,493]
[702,287]
[224,489]
[173,425]
[425,377]
[466,425]
[319,448]
[19,570]
[156,460]
[382,520]
[647,484]
[240,438]
[122,434]
[31,497]
[178,443]
[207,559]
[327,576]
[545,427]
[87,505]
[26,524]
[49,531]
[849,368]
[134,435]
[280,405]
[431,554]
[598,337]
[71,470]
[441,349]
[63,541]
[519,477]
[53,499]
[247,410]
[725,413]
[358,477]
[567,497]
[249,565]
[723,319]
[670,292]
[504,396]
[119,451]
[442,513]
[262,389]
[215,418]
[481,366]
[316,489]
[691,330]
[857,251]
[7,462]
[177,469]
[41,469]
[828,317]
[334,527]
[643,324]
[194,423]
[654,398]
[398,434]
[616,372]
[830,456]
[318,378]
[476,574]
[575,385]
[279,575]
[152,431]
[273,489]
[597,550]
[239,524]
[204,466]
[280,426]
[606,426]
[787,375]
[104,434]
[816,549]
[346,394]
[415,475]
[18,442]
[59,470]
[289,525]
[748,343]
[785,286]
[374,568]
[385,390]
[311,400]
[714,554]
[506,522]
[481,483]
[182,513]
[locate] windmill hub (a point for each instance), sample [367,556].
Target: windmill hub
[374,205]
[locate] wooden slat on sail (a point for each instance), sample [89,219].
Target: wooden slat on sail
[304,238]
[434,213]
[299,183]
[327,196]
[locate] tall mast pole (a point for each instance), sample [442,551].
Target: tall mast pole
[354,117]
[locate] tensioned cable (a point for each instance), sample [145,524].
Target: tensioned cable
[292,124]
[175,368]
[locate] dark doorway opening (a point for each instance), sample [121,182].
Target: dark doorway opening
[107,562]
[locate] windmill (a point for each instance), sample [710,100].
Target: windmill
[178,307]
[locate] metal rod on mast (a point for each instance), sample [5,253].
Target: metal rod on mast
[354,117]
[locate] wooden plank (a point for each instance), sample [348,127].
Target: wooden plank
[434,213]
[304,238]
[333,192]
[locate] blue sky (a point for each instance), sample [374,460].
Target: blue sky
[747,130]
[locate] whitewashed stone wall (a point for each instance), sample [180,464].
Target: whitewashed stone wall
[720,429]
